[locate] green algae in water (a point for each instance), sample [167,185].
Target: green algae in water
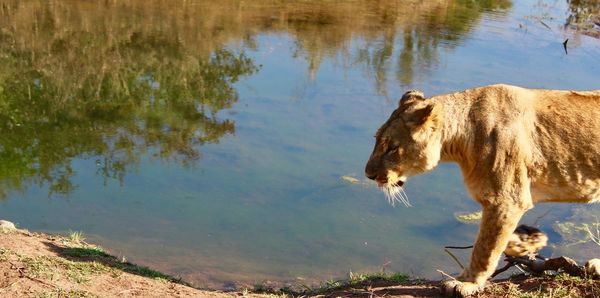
[469,217]
[356,181]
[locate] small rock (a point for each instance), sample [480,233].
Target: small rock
[592,268]
[7,226]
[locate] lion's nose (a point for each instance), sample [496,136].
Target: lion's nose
[371,176]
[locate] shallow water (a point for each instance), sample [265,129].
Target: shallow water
[209,141]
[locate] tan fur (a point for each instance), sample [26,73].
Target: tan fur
[515,147]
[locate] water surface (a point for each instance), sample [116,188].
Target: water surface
[209,141]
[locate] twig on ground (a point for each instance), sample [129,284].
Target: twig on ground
[445,274]
[41,281]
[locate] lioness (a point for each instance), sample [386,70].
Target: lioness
[515,147]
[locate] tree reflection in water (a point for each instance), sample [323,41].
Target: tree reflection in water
[72,89]
[113,80]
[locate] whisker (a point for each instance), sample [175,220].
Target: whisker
[402,197]
[395,193]
[407,202]
[389,195]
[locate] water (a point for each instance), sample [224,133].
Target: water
[209,141]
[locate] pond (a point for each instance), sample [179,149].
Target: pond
[225,143]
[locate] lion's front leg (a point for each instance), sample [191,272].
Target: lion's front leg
[497,225]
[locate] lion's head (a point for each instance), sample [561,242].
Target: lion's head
[408,143]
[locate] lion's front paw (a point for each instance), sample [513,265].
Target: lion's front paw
[455,288]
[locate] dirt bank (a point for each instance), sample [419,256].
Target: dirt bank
[41,265]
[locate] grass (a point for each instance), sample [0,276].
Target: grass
[52,268]
[5,230]
[4,253]
[85,252]
[259,288]
[557,286]
[147,272]
[96,253]
[62,293]
[354,280]
[394,277]
[76,237]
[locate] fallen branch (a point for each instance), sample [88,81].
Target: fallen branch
[541,265]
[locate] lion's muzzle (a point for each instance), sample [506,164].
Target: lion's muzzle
[372,173]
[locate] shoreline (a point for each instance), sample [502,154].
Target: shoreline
[44,265]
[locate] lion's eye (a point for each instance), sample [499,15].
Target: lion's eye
[396,150]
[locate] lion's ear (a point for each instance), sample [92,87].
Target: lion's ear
[410,97]
[428,115]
